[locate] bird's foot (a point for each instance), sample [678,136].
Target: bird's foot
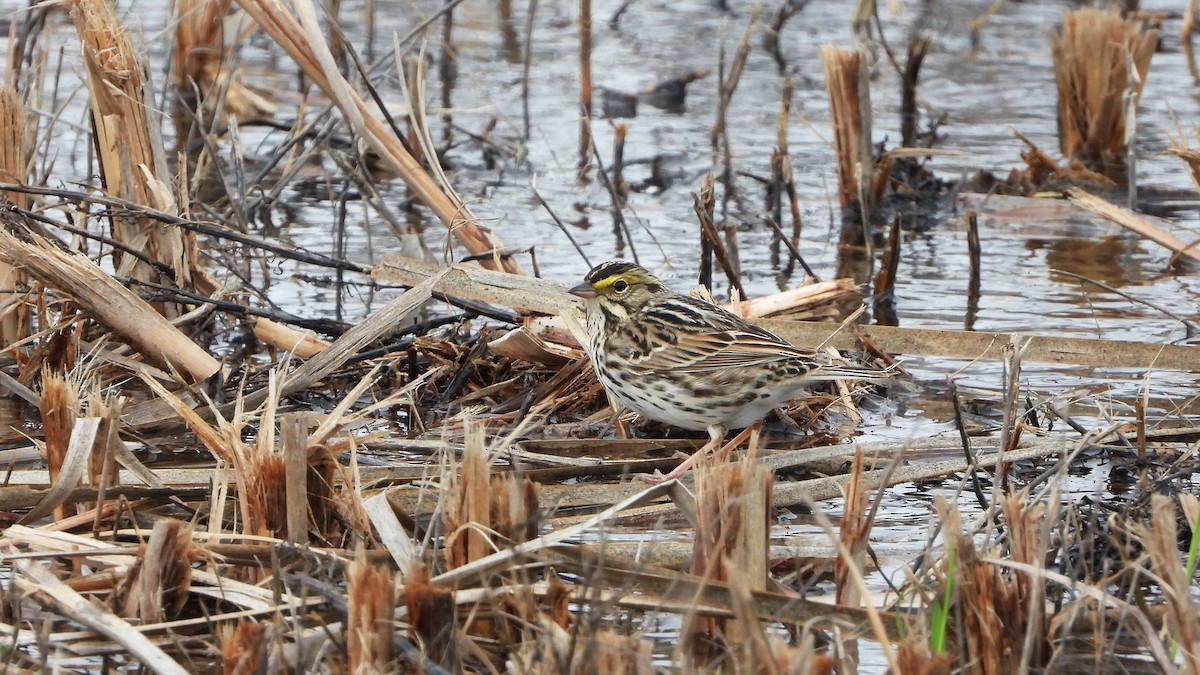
[656,478]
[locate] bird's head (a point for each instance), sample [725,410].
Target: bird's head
[618,284]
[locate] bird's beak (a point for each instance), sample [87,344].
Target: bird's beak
[585,291]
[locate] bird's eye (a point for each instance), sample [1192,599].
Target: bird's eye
[620,286]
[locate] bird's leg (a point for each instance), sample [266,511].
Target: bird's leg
[723,453]
[622,430]
[615,421]
[716,433]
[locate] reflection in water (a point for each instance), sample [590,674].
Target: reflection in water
[14,415]
[1113,260]
[511,46]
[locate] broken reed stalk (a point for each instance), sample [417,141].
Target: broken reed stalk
[885,278]
[733,506]
[853,533]
[162,577]
[787,180]
[1186,30]
[243,647]
[130,151]
[974,263]
[515,512]
[620,131]
[847,83]
[620,191]
[1014,422]
[300,36]
[432,618]
[14,168]
[370,603]
[918,46]
[774,206]
[103,470]
[262,485]
[585,86]
[293,435]
[998,625]
[468,503]
[704,204]
[1028,541]
[59,407]
[1160,538]
[1092,53]
[110,303]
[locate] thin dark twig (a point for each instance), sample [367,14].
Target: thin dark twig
[972,461]
[208,229]
[791,247]
[366,79]
[526,64]
[223,232]
[161,268]
[618,214]
[558,221]
[1191,328]
[170,293]
[883,40]
[709,232]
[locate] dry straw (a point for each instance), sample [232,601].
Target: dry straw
[130,149]
[295,27]
[14,159]
[1097,88]
[847,81]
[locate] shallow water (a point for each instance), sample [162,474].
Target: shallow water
[1006,85]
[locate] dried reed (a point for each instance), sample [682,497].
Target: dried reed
[159,583]
[732,511]
[295,28]
[918,47]
[201,68]
[1160,537]
[59,406]
[130,151]
[243,649]
[585,86]
[433,618]
[14,168]
[112,304]
[1097,89]
[847,83]
[469,503]
[371,600]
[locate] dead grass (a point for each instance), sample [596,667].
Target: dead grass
[428,491]
[1101,62]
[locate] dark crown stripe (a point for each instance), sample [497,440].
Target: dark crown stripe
[610,269]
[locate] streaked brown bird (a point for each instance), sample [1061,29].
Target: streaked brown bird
[686,362]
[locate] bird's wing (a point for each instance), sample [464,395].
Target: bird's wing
[682,339]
